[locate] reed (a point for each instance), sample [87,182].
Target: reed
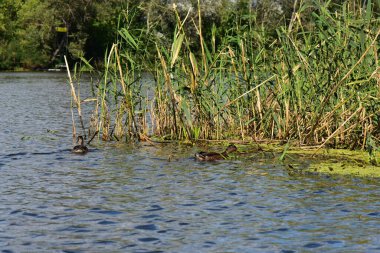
[75,102]
[316,82]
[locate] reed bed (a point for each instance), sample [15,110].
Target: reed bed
[317,82]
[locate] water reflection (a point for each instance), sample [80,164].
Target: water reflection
[133,198]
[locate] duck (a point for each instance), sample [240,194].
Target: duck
[212,156]
[81,148]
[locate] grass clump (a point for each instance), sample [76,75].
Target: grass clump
[314,80]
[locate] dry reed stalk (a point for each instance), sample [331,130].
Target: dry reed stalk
[195,72]
[76,101]
[127,102]
[243,60]
[170,90]
[199,29]
[120,72]
[73,98]
[240,121]
[338,129]
[119,131]
[105,123]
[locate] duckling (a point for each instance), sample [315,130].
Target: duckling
[81,148]
[211,156]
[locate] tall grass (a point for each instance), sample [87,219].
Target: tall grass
[317,82]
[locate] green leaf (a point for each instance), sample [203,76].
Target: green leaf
[176,47]
[128,38]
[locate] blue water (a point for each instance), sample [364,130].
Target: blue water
[133,198]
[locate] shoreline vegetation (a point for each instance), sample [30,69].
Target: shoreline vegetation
[313,81]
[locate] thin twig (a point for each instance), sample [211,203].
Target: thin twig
[93,136]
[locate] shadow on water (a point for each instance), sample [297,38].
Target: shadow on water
[157,198]
[56,154]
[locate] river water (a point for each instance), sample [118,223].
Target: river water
[132,198]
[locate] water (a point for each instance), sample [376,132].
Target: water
[131,198]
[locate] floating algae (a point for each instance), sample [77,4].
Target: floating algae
[326,161]
[338,161]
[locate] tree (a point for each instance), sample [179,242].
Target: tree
[8,25]
[35,33]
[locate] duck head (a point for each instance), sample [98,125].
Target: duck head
[231,148]
[80,140]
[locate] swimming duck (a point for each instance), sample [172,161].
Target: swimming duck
[81,148]
[211,156]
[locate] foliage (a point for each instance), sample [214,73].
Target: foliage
[8,17]
[28,37]
[35,39]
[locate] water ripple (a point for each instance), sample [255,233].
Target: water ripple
[130,198]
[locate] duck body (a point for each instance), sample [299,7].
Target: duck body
[209,156]
[213,156]
[81,148]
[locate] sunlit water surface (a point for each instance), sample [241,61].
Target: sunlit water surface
[131,198]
